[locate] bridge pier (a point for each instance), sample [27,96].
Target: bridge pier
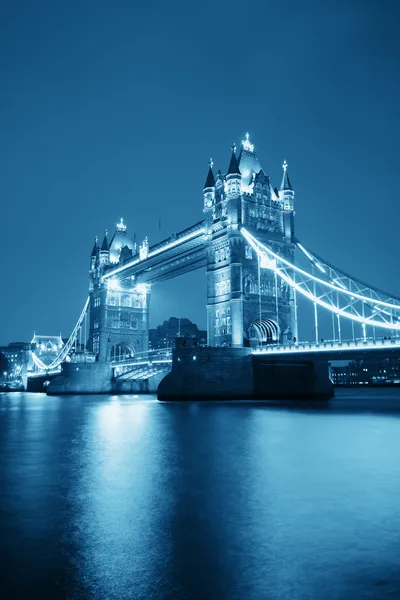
[236,373]
[82,378]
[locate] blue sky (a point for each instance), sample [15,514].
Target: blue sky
[112,109]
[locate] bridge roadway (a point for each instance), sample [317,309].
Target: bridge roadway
[180,253]
[333,350]
[143,365]
[154,361]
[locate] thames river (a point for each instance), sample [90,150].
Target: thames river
[106,497]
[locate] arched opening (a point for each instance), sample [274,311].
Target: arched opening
[121,352]
[263,332]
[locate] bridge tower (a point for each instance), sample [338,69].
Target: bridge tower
[119,309]
[247,303]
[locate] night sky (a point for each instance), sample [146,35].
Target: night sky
[112,108]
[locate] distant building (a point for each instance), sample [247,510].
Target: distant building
[372,372]
[47,347]
[16,359]
[164,335]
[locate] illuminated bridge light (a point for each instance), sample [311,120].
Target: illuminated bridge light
[152,253]
[280,270]
[305,252]
[113,284]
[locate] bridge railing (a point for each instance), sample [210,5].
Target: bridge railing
[145,357]
[329,345]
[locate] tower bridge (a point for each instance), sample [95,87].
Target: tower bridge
[257,272]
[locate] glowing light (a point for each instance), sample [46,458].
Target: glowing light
[113,284]
[144,249]
[39,363]
[168,246]
[257,247]
[121,225]
[62,355]
[307,348]
[342,286]
[266,262]
[339,311]
[142,288]
[247,145]
[305,252]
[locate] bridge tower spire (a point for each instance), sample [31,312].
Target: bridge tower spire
[209,188]
[224,295]
[119,307]
[95,253]
[286,191]
[104,256]
[246,303]
[286,196]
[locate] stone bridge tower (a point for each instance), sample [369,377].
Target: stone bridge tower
[246,303]
[119,310]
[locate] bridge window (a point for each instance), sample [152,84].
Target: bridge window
[222,254]
[121,352]
[125,300]
[96,325]
[263,332]
[112,299]
[96,344]
[222,287]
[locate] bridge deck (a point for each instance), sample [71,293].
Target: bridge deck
[346,350]
[180,253]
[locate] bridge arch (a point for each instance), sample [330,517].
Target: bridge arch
[121,351]
[264,331]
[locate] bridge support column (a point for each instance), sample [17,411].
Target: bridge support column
[119,320]
[237,323]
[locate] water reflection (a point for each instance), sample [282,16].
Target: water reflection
[120,497]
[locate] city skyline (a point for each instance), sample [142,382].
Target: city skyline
[98,135]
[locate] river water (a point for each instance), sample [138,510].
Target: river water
[106,497]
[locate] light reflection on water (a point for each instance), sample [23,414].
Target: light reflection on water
[123,497]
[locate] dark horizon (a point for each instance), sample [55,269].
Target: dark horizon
[111,111]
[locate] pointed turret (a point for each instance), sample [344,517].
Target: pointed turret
[286,192]
[210,181]
[285,184]
[233,176]
[249,164]
[209,188]
[119,240]
[95,248]
[105,251]
[233,165]
[95,253]
[104,246]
